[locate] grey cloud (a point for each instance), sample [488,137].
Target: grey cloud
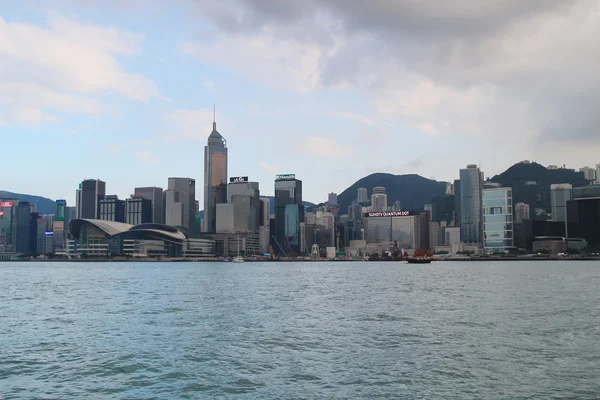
[534,61]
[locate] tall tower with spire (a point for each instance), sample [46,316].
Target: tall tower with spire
[215,175]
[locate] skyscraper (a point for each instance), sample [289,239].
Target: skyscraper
[245,196]
[138,210]
[89,194]
[58,225]
[288,192]
[112,209]
[155,195]
[332,199]
[521,212]
[560,193]
[379,199]
[471,186]
[22,228]
[215,174]
[498,232]
[180,202]
[588,173]
[362,195]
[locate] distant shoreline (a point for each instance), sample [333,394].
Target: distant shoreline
[451,259]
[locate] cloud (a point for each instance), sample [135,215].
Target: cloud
[64,66]
[194,124]
[31,116]
[325,147]
[508,68]
[271,61]
[352,116]
[147,156]
[274,169]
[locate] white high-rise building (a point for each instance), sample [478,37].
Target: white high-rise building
[332,199]
[521,212]
[560,193]
[378,199]
[588,173]
[498,231]
[363,195]
[598,172]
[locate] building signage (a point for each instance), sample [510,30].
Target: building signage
[6,204]
[285,177]
[237,179]
[49,233]
[388,214]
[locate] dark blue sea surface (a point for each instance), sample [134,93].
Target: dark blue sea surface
[448,330]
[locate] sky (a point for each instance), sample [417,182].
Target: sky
[330,90]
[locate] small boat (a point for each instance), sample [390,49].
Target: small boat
[420,257]
[238,258]
[418,260]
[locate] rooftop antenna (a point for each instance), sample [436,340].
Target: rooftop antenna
[214,117]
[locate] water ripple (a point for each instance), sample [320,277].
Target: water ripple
[302,331]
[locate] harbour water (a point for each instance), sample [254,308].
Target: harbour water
[456,330]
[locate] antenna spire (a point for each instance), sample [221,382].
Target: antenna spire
[214,117]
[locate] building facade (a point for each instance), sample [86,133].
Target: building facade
[471,187]
[215,174]
[112,209]
[588,173]
[521,212]
[362,195]
[559,195]
[584,220]
[498,231]
[89,194]
[138,210]
[378,199]
[155,195]
[286,229]
[180,203]
[393,228]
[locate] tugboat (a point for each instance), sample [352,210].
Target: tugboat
[419,257]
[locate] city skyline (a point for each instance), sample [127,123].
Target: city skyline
[124,92]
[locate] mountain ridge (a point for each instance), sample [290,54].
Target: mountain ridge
[412,190]
[44,204]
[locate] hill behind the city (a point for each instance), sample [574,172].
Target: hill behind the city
[531,182]
[44,205]
[412,190]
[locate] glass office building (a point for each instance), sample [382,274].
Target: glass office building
[471,185]
[215,175]
[288,192]
[498,232]
[559,195]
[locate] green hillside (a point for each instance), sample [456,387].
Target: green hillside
[412,190]
[44,205]
[521,178]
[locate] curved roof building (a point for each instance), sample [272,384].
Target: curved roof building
[101,237]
